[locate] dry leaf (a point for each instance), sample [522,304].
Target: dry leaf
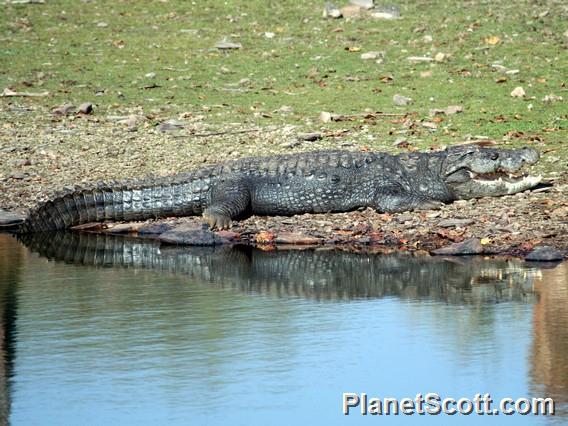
[492,40]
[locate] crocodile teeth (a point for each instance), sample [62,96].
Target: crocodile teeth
[518,185]
[526,182]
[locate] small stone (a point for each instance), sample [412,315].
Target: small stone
[440,57]
[545,254]
[400,100]
[427,39]
[64,109]
[457,223]
[552,98]
[325,117]
[269,34]
[294,238]
[372,55]
[518,92]
[385,12]
[227,44]
[425,74]
[310,137]
[85,108]
[331,11]
[452,109]
[351,11]
[171,125]
[402,143]
[404,217]
[471,246]
[102,24]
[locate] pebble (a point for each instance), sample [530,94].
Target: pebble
[310,137]
[372,55]
[64,109]
[458,223]
[331,11]
[86,108]
[400,100]
[227,44]
[518,92]
[545,254]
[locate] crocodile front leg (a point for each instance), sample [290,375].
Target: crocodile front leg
[229,198]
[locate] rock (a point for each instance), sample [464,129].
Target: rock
[458,223]
[310,137]
[372,55]
[85,108]
[425,74]
[171,125]
[10,220]
[440,57]
[154,228]
[452,109]
[64,109]
[545,254]
[325,117]
[552,98]
[227,44]
[351,11]
[365,4]
[400,100]
[191,235]
[294,238]
[331,11]
[518,92]
[402,143]
[471,246]
[385,12]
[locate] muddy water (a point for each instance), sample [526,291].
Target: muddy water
[106,330]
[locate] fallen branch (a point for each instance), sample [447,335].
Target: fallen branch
[10,93]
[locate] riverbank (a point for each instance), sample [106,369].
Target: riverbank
[79,149]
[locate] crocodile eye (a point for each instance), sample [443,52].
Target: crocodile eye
[494,155]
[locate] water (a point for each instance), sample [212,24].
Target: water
[103,330]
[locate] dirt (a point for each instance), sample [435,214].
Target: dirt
[45,153]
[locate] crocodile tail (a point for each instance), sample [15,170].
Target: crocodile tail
[182,195]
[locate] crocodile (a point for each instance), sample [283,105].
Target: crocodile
[311,182]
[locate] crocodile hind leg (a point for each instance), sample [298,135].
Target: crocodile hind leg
[229,198]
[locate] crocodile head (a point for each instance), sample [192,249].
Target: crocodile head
[471,171]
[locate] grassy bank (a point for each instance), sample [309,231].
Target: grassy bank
[159,60]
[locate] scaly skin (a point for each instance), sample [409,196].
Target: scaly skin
[315,182]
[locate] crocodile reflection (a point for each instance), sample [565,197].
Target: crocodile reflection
[320,274]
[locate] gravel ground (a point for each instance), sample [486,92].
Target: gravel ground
[42,152]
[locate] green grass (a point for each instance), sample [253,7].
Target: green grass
[308,65]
